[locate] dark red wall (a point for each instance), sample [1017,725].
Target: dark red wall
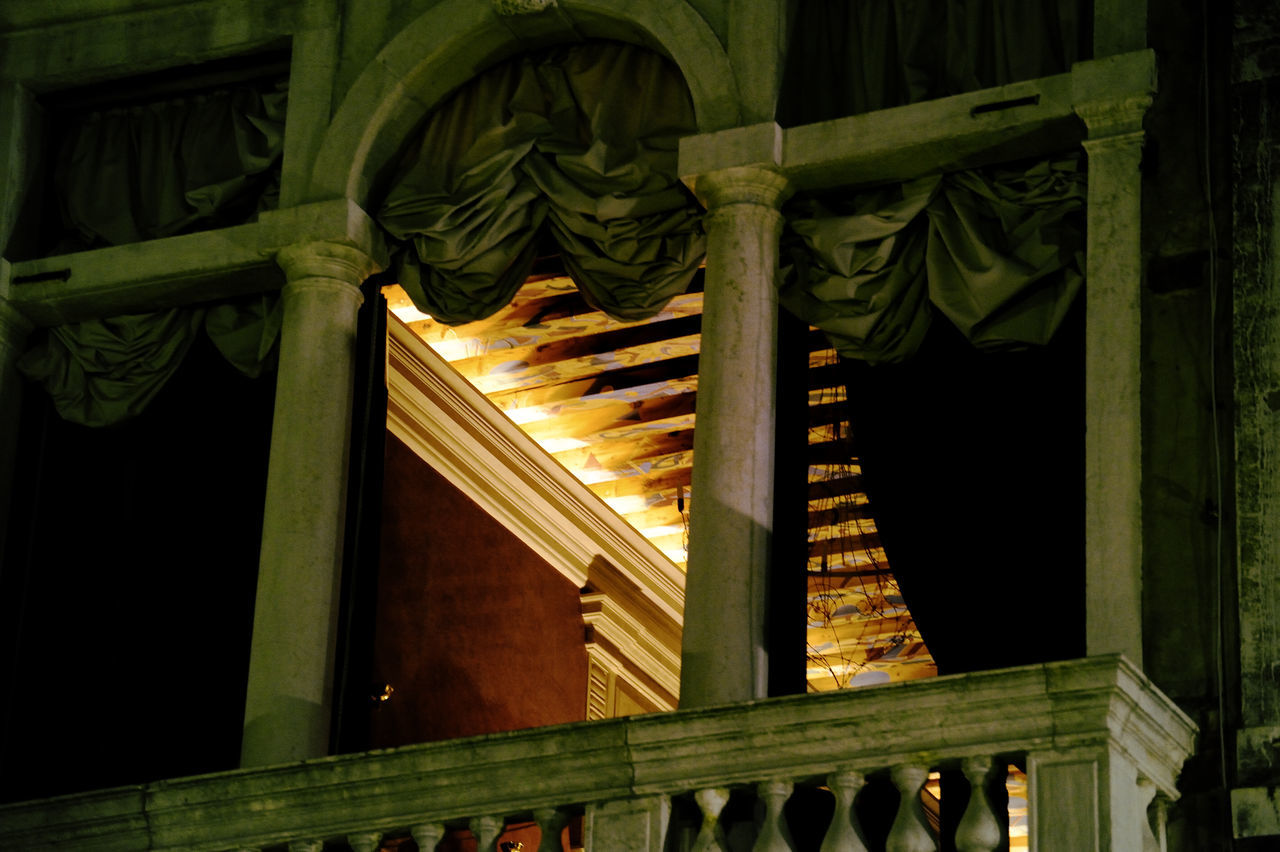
[475,632]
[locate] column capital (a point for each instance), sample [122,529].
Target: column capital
[759,185]
[1114,117]
[328,260]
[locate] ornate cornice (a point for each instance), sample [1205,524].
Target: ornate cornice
[455,429]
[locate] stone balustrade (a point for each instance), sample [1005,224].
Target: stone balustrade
[1102,748]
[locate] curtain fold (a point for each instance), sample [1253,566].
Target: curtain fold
[580,141]
[998,252]
[105,371]
[144,172]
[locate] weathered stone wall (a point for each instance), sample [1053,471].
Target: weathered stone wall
[1256,135]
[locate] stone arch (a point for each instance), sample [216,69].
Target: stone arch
[456,39]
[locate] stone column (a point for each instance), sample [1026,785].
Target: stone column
[724,657]
[289,699]
[14,329]
[1113,377]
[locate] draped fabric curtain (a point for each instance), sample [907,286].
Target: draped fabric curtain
[579,142]
[144,172]
[847,57]
[997,251]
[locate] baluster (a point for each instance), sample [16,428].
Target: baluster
[1146,792]
[551,823]
[774,836]
[978,830]
[427,835]
[486,829]
[1160,821]
[369,841]
[711,802]
[845,834]
[910,832]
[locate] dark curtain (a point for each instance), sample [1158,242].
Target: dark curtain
[138,173]
[998,252]
[847,57]
[579,141]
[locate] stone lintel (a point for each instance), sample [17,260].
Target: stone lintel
[95,47]
[963,131]
[754,145]
[174,271]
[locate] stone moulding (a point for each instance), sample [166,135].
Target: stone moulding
[460,433]
[1025,119]
[176,271]
[1099,707]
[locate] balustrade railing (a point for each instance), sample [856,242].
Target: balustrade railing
[1101,748]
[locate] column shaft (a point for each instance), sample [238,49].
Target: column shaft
[1113,380]
[724,656]
[288,705]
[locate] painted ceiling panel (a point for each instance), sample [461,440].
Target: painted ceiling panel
[615,404]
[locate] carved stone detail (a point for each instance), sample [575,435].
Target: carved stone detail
[510,8]
[1112,117]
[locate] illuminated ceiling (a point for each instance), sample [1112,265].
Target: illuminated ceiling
[613,402]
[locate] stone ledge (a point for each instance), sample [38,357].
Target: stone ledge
[174,271]
[1097,707]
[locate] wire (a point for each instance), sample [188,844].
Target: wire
[1219,597]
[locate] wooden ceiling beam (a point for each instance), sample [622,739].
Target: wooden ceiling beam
[580,347]
[841,513]
[832,488]
[649,484]
[610,453]
[844,544]
[638,375]
[619,415]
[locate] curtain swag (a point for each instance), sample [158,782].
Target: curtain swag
[145,172]
[999,252]
[579,141]
[101,372]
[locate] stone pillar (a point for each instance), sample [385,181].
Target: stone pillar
[288,705]
[14,329]
[724,657]
[1113,378]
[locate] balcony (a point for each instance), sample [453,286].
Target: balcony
[1101,745]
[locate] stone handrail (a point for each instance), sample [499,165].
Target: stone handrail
[1099,742]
